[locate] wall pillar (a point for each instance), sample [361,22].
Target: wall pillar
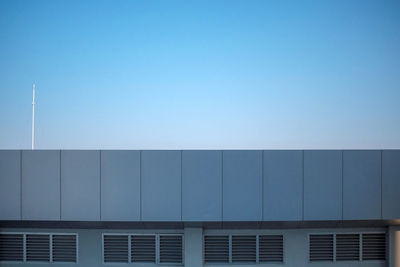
[394,246]
[193,247]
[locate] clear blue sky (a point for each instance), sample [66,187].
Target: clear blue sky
[200,74]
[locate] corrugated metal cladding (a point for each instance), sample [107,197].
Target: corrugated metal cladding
[199,186]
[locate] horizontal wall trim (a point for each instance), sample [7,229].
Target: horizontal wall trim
[205,225]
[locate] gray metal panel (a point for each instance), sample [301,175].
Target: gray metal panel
[323,185]
[10,185]
[242,185]
[120,185]
[361,185]
[80,185]
[391,184]
[202,185]
[41,185]
[161,185]
[283,185]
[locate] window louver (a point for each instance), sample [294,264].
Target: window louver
[321,247]
[170,248]
[244,248]
[270,248]
[11,247]
[216,249]
[143,248]
[347,247]
[38,248]
[116,248]
[374,246]
[64,248]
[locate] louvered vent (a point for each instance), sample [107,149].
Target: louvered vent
[170,248]
[374,246]
[321,247]
[64,248]
[347,247]
[11,247]
[115,248]
[270,248]
[244,248]
[143,248]
[216,248]
[38,248]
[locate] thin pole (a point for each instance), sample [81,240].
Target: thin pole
[33,118]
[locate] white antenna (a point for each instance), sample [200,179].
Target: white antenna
[33,118]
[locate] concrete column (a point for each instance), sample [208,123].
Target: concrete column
[394,246]
[193,247]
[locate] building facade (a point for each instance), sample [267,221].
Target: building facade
[200,208]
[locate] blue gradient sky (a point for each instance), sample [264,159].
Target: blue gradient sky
[206,74]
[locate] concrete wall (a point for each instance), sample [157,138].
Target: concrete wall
[203,186]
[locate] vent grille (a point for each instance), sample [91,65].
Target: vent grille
[347,247]
[11,247]
[171,249]
[374,246]
[143,248]
[116,248]
[321,247]
[38,247]
[244,248]
[64,248]
[216,248]
[270,248]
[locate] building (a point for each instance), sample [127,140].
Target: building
[200,208]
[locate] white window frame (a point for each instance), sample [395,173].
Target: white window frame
[157,252]
[50,234]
